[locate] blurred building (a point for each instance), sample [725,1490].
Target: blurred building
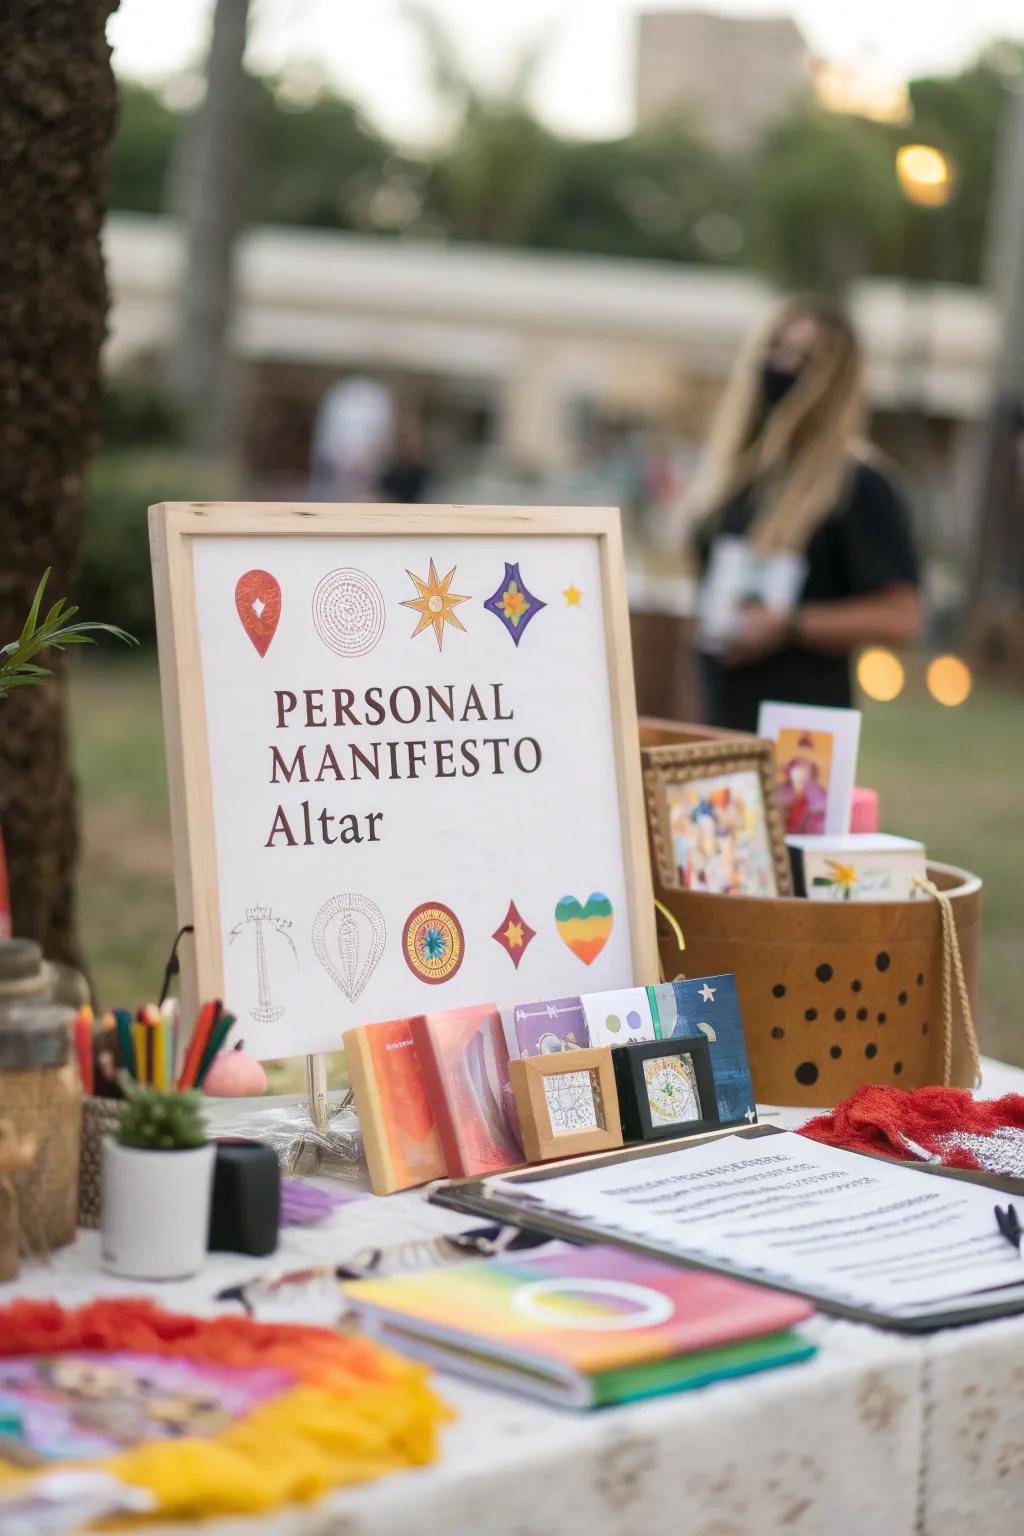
[547,369]
[733,75]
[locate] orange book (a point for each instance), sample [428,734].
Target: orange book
[399,1134]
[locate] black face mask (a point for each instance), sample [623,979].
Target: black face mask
[776,383]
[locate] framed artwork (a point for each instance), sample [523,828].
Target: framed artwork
[815,764]
[567,1104]
[666,1088]
[377,807]
[714,819]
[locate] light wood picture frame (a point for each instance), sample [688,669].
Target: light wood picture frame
[721,763]
[179,535]
[555,1093]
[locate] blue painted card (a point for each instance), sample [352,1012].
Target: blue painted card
[708,1006]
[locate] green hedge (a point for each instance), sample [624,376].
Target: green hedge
[115,584]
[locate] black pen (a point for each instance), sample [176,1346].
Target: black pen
[1009,1225]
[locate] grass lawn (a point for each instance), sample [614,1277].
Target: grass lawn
[949,777]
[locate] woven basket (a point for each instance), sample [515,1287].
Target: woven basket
[10,1240]
[100,1117]
[835,994]
[43,1103]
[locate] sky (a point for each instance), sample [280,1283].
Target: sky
[371,51]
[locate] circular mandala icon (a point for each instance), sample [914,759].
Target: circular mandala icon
[348,612]
[433,943]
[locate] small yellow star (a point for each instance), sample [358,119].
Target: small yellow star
[513,935]
[572,595]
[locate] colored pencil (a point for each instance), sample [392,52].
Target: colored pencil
[139,1047]
[209,1013]
[125,1041]
[218,1036]
[83,1048]
[158,1034]
[169,1014]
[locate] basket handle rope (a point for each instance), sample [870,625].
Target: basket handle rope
[953,968]
[680,941]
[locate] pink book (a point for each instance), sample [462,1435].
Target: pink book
[464,1060]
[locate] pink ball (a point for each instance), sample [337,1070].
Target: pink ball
[233,1075]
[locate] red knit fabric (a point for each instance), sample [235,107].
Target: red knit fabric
[876,1118]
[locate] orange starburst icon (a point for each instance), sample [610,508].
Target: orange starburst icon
[435,603]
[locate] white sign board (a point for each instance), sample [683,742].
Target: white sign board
[404,760]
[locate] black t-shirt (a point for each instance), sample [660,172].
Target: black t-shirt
[863,547]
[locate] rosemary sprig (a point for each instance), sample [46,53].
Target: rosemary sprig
[57,629]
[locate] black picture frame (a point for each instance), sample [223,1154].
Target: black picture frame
[634,1106]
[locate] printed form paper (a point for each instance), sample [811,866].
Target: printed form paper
[790,1211]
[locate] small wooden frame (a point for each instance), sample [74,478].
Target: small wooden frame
[705,758]
[546,1114]
[651,1074]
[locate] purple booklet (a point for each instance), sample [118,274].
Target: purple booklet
[539,1029]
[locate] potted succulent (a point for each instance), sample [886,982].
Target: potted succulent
[157,1179]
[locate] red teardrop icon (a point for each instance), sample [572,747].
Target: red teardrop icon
[258,600]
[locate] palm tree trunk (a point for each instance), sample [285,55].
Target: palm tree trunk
[210,200]
[58,108]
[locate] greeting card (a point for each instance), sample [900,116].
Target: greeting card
[399,1134]
[544,1028]
[617,1018]
[464,1058]
[709,1007]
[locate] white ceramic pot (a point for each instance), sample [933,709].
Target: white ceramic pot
[155,1212]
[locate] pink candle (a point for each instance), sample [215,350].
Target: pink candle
[864,811]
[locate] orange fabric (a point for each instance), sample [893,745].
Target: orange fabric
[315,1355]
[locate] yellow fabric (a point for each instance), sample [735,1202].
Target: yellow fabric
[293,1449]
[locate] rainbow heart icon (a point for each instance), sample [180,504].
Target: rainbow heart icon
[584,927]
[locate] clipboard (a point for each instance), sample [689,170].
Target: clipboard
[505,1198]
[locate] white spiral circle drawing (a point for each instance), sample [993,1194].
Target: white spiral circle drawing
[348,612]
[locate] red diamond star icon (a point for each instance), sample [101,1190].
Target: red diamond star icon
[513,934]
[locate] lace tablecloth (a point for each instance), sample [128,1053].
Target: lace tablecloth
[877,1433]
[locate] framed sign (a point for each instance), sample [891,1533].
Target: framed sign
[403,759]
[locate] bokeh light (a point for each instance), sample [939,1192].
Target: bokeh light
[880,675]
[925,175]
[949,680]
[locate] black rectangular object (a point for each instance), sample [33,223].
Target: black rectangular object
[634,1105]
[245,1211]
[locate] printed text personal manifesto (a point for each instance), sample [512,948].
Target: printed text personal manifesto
[392,758]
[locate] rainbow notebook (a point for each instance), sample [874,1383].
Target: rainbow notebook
[583,1327]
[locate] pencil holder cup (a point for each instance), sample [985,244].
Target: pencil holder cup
[100,1117]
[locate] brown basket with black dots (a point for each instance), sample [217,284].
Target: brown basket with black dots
[838,994]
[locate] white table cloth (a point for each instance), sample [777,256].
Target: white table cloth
[877,1433]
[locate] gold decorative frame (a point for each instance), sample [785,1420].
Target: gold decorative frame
[540,1142]
[686,761]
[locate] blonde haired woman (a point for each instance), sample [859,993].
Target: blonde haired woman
[804,540]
